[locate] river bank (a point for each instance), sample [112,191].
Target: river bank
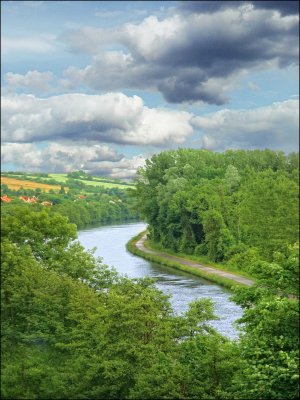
[181,287]
[229,280]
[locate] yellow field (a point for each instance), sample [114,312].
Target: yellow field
[15,184]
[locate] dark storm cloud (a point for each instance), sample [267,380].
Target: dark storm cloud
[285,7]
[191,56]
[187,87]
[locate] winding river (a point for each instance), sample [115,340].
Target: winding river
[111,240]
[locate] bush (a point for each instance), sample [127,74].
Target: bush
[245,259]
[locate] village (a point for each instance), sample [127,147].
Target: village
[26,199]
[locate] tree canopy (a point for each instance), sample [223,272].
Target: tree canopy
[72,328]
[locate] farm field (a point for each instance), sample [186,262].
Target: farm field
[58,177]
[15,184]
[105,184]
[62,178]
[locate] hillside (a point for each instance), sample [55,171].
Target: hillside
[16,184]
[46,182]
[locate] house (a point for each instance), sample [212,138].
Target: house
[27,199]
[6,199]
[47,203]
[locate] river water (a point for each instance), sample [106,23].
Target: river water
[111,240]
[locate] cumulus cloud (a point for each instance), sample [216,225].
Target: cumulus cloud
[126,168]
[61,158]
[110,118]
[274,127]
[21,154]
[33,81]
[188,56]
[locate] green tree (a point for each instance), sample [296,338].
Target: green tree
[218,238]
[270,345]
[269,211]
[232,178]
[62,190]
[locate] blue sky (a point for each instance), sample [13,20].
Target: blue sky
[103,85]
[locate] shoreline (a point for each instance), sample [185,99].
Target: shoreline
[223,278]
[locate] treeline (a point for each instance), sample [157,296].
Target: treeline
[104,206]
[17,174]
[232,206]
[72,178]
[73,329]
[98,208]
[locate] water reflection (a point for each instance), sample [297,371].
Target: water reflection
[110,241]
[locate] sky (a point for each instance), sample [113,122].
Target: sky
[103,85]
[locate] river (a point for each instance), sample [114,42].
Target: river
[111,240]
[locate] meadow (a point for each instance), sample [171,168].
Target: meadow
[62,179]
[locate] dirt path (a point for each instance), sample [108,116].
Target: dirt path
[140,245]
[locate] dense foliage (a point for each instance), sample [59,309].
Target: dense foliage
[98,207]
[75,179]
[221,204]
[102,205]
[72,328]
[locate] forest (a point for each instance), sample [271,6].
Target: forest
[72,328]
[82,206]
[230,206]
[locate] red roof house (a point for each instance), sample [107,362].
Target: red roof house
[6,199]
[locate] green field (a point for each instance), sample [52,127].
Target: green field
[62,178]
[97,181]
[58,177]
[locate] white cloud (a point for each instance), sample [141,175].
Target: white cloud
[124,169]
[275,127]
[61,158]
[32,80]
[144,38]
[110,118]
[21,154]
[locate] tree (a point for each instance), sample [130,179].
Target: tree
[269,212]
[62,190]
[217,236]
[232,178]
[270,345]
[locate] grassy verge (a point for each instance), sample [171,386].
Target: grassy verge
[198,259]
[131,246]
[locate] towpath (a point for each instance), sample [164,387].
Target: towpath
[214,271]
